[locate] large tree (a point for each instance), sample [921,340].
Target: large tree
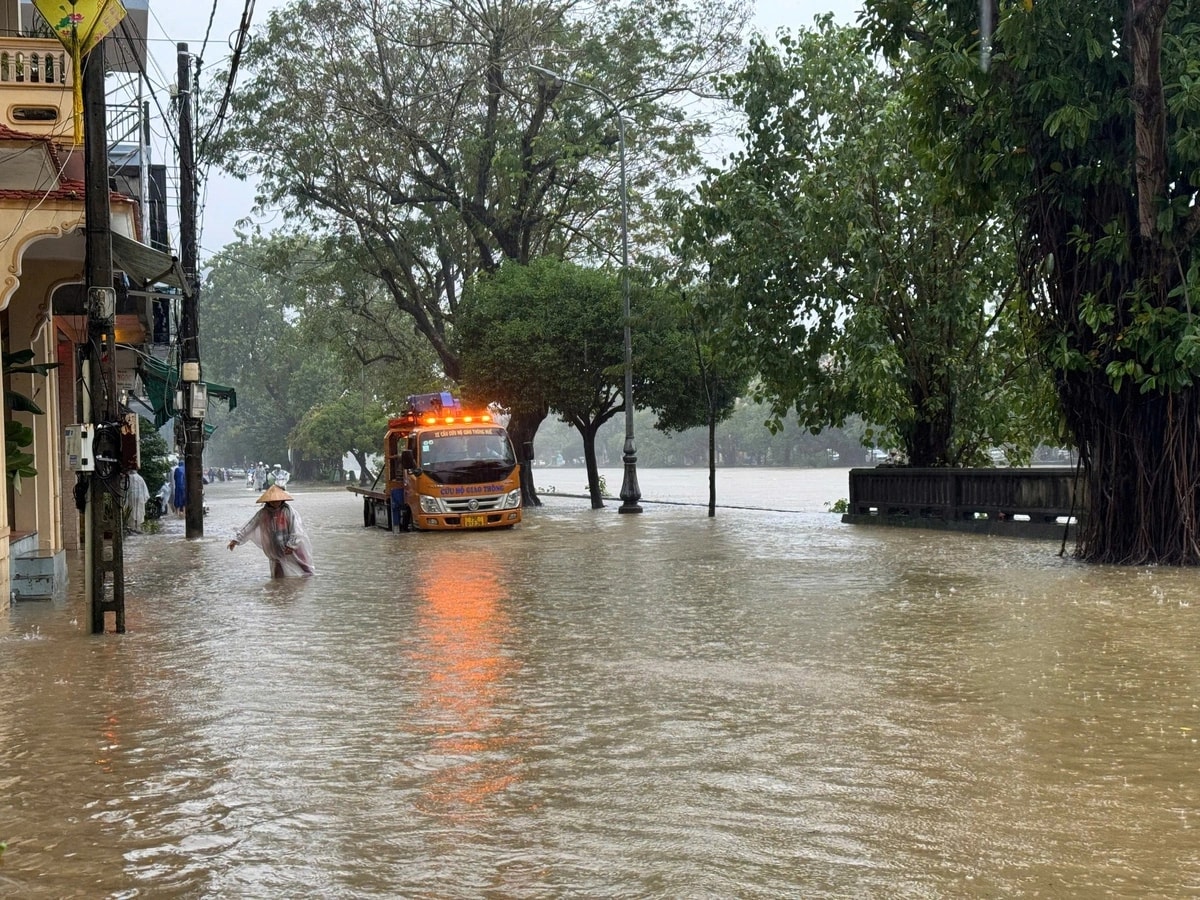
[350,424]
[381,354]
[414,132]
[252,340]
[843,266]
[550,335]
[1084,117]
[703,376]
[286,326]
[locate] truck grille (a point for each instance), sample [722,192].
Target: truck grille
[473,504]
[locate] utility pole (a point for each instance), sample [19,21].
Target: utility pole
[194,391]
[105,571]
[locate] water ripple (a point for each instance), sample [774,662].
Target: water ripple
[759,705]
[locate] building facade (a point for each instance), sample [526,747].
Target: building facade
[43,295]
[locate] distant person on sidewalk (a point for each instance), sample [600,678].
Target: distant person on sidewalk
[277,530]
[179,495]
[136,496]
[164,496]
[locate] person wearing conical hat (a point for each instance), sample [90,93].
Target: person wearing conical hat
[277,530]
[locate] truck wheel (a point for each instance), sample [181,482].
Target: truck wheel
[368,513]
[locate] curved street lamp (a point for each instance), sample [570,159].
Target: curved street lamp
[630,492]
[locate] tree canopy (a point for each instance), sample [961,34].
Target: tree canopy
[252,340]
[282,327]
[430,151]
[843,265]
[350,424]
[1085,122]
[550,336]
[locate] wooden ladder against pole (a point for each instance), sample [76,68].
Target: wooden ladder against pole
[108,570]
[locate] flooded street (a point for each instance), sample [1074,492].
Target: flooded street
[766,704]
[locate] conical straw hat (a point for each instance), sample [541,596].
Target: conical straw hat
[274,492]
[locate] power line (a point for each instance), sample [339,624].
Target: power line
[212,14]
[243,36]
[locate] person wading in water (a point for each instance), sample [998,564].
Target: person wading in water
[276,528]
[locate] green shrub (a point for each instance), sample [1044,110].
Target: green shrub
[17,436]
[155,467]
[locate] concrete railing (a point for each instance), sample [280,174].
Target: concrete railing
[1039,501]
[34,62]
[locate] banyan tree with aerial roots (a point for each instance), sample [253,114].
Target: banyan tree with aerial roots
[1081,117]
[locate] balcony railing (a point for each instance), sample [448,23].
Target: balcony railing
[34,62]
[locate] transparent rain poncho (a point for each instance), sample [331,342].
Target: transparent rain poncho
[136,497]
[279,533]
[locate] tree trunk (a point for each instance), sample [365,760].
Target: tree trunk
[1141,450]
[920,445]
[712,462]
[588,433]
[1143,34]
[1141,453]
[927,440]
[365,477]
[522,428]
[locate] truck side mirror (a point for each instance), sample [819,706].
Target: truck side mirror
[406,460]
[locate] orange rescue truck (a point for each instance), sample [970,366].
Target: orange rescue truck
[446,469]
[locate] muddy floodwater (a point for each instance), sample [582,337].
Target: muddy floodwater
[764,704]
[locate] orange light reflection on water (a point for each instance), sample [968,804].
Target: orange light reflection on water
[111,742]
[464,706]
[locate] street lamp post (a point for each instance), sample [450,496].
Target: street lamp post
[630,492]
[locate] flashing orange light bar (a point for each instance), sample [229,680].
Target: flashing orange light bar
[411,419]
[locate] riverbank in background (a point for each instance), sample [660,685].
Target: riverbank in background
[741,487]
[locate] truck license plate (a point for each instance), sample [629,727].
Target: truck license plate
[474,521]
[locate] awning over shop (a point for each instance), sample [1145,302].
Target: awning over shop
[162,381]
[146,266]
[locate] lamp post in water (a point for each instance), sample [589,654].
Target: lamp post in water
[630,492]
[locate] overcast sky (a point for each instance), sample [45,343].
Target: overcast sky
[226,201]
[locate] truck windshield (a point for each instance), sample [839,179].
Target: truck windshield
[439,451]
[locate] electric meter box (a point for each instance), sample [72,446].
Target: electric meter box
[78,441]
[198,399]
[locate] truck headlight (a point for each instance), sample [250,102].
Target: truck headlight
[512,499]
[432,504]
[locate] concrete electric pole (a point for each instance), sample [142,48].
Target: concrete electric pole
[195,396]
[104,567]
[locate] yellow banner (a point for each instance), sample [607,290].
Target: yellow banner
[80,25]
